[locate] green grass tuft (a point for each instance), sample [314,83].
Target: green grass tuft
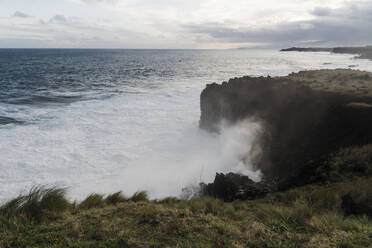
[139,197]
[92,201]
[115,198]
[285,219]
[169,200]
[38,204]
[213,206]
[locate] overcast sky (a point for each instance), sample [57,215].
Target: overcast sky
[184,23]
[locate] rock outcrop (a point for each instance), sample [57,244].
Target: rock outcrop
[304,116]
[307,49]
[233,186]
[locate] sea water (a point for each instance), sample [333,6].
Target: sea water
[126,120]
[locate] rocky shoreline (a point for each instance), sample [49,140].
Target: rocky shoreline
[305,116]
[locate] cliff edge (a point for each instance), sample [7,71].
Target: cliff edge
[305,116]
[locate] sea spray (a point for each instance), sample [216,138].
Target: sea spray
[189,158]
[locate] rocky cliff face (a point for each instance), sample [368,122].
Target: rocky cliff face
[305,115]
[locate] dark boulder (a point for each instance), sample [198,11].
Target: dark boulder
[233,186]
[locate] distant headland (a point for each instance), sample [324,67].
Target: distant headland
[365,52]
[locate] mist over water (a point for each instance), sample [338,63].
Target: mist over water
[109,120]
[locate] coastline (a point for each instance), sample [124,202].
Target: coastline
[328,205]
[332,209]
[363,52]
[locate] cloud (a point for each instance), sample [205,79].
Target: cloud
[58,19]
[20,14]
[319,11]
[67,32]
[100,1]
[348,25]
[195,23]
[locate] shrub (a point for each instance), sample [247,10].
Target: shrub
[345,164]
[362,192]
[359,204]
[324,199]
[139,196]
[169,200]
[92,201]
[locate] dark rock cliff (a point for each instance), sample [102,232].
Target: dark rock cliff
[304,116]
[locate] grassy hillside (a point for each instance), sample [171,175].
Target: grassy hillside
[336,213]
[310,216]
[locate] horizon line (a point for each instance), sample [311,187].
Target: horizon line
[89,48]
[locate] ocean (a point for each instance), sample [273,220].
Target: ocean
[126,120]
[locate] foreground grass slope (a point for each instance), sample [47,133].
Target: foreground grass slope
[310,216]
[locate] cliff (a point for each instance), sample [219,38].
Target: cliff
[364,52]
[307,49]
[305,116]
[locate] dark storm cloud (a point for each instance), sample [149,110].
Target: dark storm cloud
[351,24]
[20,14]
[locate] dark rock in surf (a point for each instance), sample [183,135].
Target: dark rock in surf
[233,186]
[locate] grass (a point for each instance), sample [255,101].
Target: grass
[115,198]
[345,164]
[92,201]
[140,197]
[309,216]
[38,204]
